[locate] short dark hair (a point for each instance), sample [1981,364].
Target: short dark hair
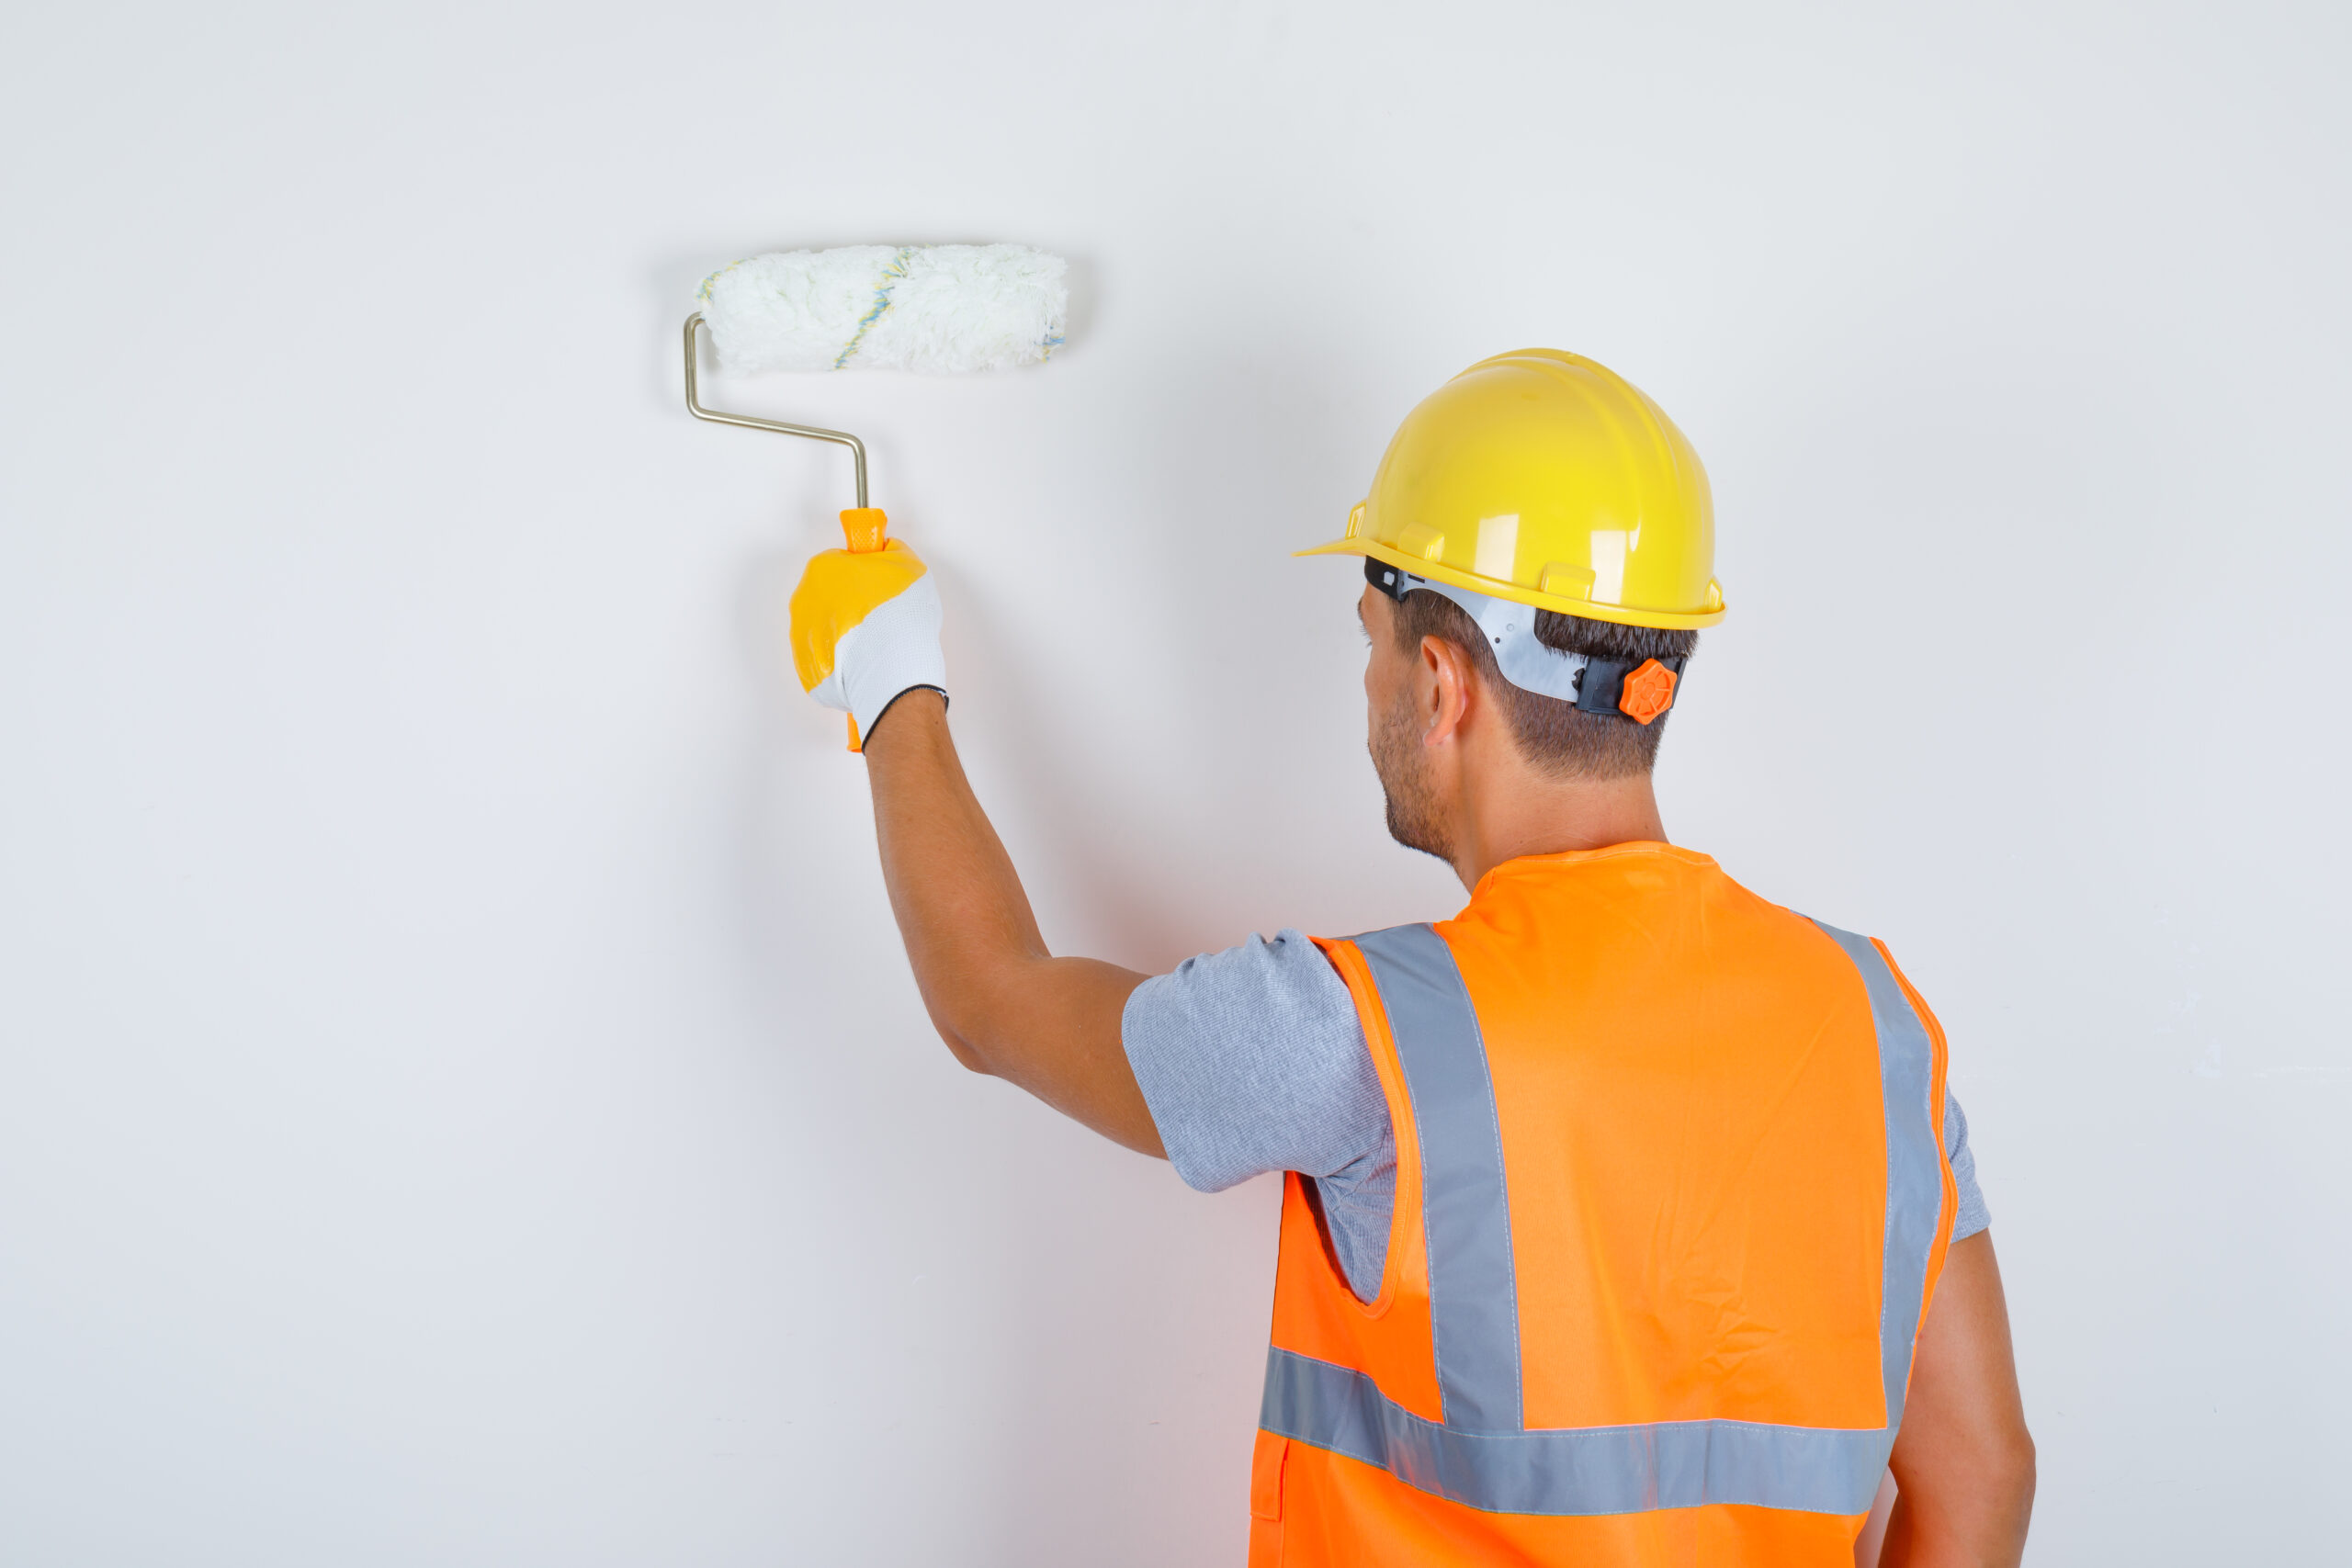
[1552,734]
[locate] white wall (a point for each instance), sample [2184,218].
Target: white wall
[461,1097]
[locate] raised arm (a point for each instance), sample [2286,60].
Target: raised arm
[865,640]
[1003,1003]
[1963,1461]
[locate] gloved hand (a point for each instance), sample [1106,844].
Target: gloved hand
[865,625]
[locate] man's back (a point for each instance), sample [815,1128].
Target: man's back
[1687,1080]
[1671,1201]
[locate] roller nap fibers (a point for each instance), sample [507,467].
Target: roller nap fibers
[931,308]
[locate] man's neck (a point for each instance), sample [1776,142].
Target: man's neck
[1516,811]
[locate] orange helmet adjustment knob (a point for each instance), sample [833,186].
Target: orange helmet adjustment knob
[1648,693]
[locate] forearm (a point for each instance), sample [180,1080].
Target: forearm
[959,904]
[1002,1001]
[1991,1536]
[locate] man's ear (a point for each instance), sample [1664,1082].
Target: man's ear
[1449,689]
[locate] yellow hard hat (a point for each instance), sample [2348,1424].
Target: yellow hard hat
[1542,478]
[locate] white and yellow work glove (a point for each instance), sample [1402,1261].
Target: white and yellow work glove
[865,625]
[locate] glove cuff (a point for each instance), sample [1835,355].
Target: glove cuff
[893,649]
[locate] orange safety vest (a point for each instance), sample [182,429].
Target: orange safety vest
[1671,1200]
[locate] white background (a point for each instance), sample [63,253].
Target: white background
[461,1100]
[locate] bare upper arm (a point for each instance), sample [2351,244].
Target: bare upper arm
[1053,1027]
[1963,1461]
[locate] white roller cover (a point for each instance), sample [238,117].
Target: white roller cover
[935,308]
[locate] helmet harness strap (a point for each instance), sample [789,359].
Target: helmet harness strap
[1594,685]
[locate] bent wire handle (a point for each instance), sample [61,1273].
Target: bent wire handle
[694,407]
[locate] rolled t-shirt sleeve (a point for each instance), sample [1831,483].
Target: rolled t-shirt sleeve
[1971,1215]
[1252,1060]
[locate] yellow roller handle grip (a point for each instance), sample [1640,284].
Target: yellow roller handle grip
[862,527]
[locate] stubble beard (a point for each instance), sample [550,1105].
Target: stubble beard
[1402,765]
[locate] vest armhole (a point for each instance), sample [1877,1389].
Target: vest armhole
[1404,1231]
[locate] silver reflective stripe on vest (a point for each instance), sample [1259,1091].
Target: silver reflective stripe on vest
[1480,1455]
[1473,1292]
[1581,1469]
[1915,1162]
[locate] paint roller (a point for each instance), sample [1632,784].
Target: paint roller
[933,308]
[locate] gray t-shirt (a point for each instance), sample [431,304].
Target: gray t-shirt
[1253,1060]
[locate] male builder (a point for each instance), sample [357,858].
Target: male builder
[1627,1218]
